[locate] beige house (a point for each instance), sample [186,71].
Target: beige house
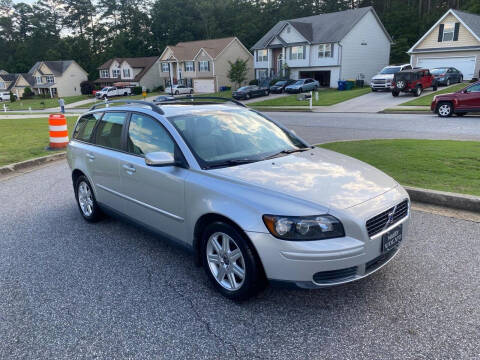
[57,78]
[454,41]
[15,83]
[141,71]
[203,64]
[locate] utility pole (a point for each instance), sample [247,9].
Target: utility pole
[170,75]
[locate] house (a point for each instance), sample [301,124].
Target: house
[351,44]
[454,41]
[15,83]
[203,64]
[140,71]
[57,78]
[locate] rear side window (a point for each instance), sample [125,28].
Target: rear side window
[109,130]
[85,126]
[146,135]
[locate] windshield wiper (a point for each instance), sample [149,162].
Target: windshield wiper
[287,152]
[231,162]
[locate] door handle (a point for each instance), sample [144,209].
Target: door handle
[90,156]
[129,168]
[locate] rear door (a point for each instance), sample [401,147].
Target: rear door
[155,196]
[470,99]
[105,156]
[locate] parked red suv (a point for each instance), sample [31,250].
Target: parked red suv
[459,103]
[413,81]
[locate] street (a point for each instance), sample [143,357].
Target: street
[328,127]
[71,289]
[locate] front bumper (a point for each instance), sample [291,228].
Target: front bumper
[381,86]
[323,263]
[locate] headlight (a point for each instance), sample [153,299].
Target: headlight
[304,227]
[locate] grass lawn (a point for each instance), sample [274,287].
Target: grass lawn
[427,99]
[36,102]
[432,164]
[325,98]
[24,139]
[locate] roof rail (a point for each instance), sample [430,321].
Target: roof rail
[152,106]
[192,98]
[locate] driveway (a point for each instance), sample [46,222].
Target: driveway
[70,290]
[372,102]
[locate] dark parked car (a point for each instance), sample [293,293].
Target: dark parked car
[459,103]
[250,91]
[279,86]
[413,81]
[447,75]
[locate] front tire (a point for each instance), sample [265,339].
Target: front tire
[86,200]
[395,93]
[230,263]
[247,96]
[445,109]
[418,91]
[177,93]
[448,82]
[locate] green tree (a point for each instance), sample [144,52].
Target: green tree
[238,71]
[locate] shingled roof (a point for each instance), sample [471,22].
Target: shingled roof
[144,63]
[471,20]
[323,28]
[58,67]
[187,50]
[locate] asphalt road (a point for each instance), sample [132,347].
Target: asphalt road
[70,289]
[327,127]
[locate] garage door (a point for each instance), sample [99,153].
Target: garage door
[465,64]
[204,85]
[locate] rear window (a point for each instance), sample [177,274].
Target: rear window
[404,76]
[109,130]
[85,126]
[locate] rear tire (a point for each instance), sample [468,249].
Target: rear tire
[86,201]
[191,91]
[230,262]
[435,87]
[177,93]
[395,93]
[445,109]
[374,90]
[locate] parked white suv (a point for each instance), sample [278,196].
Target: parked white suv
[5,96]
[111,91]
[383,80]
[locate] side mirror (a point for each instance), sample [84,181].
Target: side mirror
[159,158]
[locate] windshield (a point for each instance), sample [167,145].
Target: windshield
[243,88]
[220,137]
[280,83]
[390,70]
[438,71]
[105,89]
[299,82]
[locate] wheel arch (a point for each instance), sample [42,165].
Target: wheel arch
[441,102]
[210,218]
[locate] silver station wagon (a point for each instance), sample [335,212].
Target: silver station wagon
[253,202]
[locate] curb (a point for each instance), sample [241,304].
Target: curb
[9,169]
[444,199]
[418,112]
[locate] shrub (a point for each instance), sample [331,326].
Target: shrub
[86,87]
[12,97]
[253,82]
[137,90]
[27,93]
[159,89]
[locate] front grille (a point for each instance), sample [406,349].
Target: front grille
[328,277]
[379,81]
[387,218]
[379,260]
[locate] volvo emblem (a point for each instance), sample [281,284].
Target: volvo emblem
[390,217]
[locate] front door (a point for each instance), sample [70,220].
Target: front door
[471,98]
[154,195]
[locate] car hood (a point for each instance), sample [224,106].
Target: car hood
[383,77]
[320,176]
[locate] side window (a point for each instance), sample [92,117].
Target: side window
[109,130]
[85,126]
[147,135]
[475,88]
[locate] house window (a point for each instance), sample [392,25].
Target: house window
[2,85]
[262,55]
[105,74]
[325,50]
[116,73]
[38,79]
[189,66]
[448,31]
[262,74]
[164,67]
[126,73]
[203,66]
[50,79]
[297,53]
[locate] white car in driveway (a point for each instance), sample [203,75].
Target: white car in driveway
[249,198]
[179,90]
[5,96]
[383,80]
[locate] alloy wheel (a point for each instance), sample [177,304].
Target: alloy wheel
[225,261]
[85,198]
[444,110]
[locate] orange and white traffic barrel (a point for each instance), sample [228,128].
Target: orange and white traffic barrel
[58,131]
